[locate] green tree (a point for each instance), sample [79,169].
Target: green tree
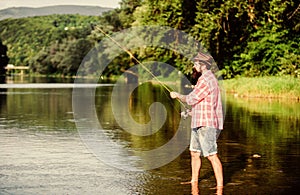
[41,63]
[26,37]
[63,58]
[164,13]
[250,38]
[127,8]
[223,27]
[178,14]
[3,58]
[74,54]
[273,49]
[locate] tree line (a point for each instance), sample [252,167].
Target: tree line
[246,38]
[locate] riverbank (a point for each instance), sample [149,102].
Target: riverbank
[264,87]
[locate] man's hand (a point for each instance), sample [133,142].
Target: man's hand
[174,94]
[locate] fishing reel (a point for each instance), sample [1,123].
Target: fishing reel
[185,113]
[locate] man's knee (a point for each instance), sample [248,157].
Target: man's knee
[195,154]
[212,157]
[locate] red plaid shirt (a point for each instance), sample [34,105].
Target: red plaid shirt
[206,102]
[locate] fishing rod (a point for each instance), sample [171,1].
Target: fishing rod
[134,58]
[184,114]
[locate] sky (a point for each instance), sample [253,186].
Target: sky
[41,3]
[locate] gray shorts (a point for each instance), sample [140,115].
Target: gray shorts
[204,140]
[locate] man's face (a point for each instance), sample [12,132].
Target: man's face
[197,66]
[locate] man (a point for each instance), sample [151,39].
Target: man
[207,118]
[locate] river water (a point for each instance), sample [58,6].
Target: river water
[43,150]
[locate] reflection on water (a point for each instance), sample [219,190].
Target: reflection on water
[42,153]
[262,144]
[152,132]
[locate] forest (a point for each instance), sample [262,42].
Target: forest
[247,38]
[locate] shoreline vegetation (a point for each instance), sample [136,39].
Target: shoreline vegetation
[273,87]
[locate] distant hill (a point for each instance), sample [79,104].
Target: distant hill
[20,12]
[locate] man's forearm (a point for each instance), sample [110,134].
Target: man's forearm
[182,97]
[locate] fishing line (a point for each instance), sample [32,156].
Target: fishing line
[139,62]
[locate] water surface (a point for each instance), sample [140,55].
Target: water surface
[43,153]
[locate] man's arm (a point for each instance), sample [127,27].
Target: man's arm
[178,95]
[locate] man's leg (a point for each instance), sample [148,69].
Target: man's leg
[195,188]
[217,167]
[196,165]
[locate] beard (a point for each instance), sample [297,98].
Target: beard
[195,76]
